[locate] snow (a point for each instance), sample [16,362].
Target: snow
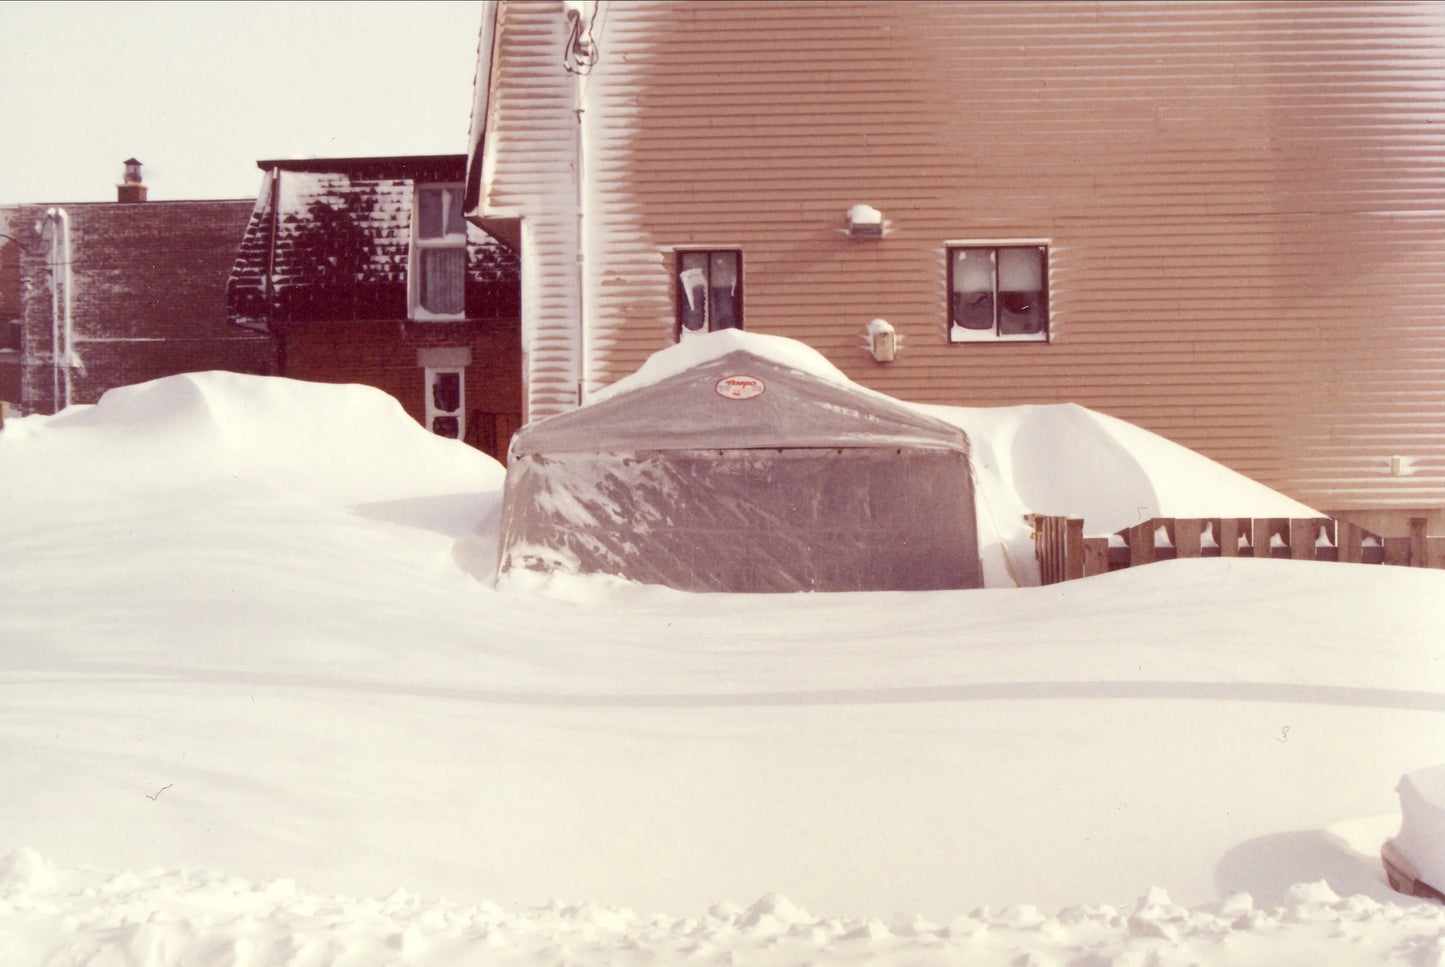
[263,708]
[1058,460]
[1422,826]
[861,214]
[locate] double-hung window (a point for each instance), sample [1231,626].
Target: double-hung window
[998,292]
[437,287]
[709,290]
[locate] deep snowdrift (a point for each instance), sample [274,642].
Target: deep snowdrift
[242,634]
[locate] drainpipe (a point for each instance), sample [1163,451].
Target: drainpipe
[581,180]
[57,224]
[579,58]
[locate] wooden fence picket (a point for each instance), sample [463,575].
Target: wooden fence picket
[1064,553]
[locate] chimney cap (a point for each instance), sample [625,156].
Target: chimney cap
[132,171]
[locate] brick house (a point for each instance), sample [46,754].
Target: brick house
[95,295]
[1219,221]
[364,271]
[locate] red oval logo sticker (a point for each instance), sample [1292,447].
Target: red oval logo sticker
[740,387]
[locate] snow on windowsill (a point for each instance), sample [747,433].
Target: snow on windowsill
[957,334]
[419,314]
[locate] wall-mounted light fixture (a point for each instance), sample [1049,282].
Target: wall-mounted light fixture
[865,221]
[882,340]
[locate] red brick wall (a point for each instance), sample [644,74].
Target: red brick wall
[10,305]
[148,296]
[384,354]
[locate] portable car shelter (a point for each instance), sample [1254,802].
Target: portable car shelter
[744,474]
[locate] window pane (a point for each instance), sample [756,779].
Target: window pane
[972,297]
[692,290]
[429,212]
[723,291]
[443,280]
[446,392]
[447,426]
[456,224]
[1021,291]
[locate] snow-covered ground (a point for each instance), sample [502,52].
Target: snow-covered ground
[263,707]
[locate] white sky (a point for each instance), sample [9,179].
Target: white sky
[199,92]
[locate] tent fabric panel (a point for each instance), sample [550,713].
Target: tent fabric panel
[778,520]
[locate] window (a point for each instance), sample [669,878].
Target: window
[998,293]
[445,392]
[437,285]
[709,291]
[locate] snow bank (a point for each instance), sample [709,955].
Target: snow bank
[1070,461]
[241,634]
[1422,827]
[1058,460]
[74,917]
[348,442]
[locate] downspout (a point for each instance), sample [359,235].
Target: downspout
[275,203]
[580,179]
[579,57]
[57,222]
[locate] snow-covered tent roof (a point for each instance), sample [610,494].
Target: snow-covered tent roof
[738,400]
[742,472]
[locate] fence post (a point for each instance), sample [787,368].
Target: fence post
[1141,543]
[1230,530]
[1419,548]
[1351,542]
[1073,548]
[1397,551]
[1303,532]
[1188,534]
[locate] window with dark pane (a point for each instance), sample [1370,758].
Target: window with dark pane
[1021,309]
[446,392]
[998,292]
[973,287]
[709,291]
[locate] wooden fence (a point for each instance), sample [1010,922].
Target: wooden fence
[1064,553]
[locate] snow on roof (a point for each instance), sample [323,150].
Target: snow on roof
[336,242]
[1059,459]
[695,350]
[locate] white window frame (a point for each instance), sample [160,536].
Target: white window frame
[451,196]
[958,334]
[433,412]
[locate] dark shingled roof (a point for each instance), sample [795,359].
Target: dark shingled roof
[329,240]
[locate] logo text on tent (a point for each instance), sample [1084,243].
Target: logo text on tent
[740,387]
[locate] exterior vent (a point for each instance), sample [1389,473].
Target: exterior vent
[865,221]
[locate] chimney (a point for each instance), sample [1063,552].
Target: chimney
[131,190]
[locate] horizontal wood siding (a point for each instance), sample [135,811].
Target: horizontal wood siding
[1242,203]
[532,137]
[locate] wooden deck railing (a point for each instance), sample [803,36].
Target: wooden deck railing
[1064,553]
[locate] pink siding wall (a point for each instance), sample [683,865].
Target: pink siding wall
[1242,203]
